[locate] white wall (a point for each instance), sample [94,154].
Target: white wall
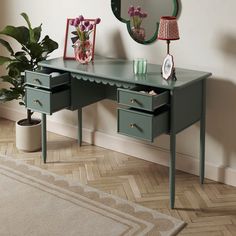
[208,42]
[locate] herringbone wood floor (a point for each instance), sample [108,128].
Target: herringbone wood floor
[209,209]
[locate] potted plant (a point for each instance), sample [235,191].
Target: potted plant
[32,50]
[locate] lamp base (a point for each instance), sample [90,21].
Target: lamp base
[168,70]
[173,76]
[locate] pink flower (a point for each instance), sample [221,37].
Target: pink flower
[131,14]
[90,27]
[72,22]
[81,18]
[76,22]
[86,23]
[136,16]
[131,8]
[82,28]
[97,21]
[144,15]
[137,13]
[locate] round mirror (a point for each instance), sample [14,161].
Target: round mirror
[142,16]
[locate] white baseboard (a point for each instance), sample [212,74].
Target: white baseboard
[134,148]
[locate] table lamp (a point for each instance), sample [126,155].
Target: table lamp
[168,30]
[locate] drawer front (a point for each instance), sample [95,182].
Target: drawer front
[45,79]
[137,99]
[142,125]
[46,101]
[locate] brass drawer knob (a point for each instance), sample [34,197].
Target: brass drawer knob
[37,81]
[132,100]
[132,125]
[36,101]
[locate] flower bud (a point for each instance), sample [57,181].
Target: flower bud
[144,15]
[131,8]
[86,23]
[97,21]
[131,14]
[137,13]
[76,22]
[72,22]
[90,27]
[81,18]
[82,27]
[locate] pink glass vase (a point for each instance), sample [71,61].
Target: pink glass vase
[138,33]
[83,51]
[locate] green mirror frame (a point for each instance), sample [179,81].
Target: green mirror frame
[116,6]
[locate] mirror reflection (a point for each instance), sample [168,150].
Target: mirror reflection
[142,16]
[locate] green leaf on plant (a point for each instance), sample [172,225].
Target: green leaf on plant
[7,46]
[37,33]
[74,33]
[74,39]
[20,34]
[31,32]
[36,50]
[4,60]
[48,44]
[21,56]
[9,79]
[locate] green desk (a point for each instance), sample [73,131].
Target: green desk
[177,104]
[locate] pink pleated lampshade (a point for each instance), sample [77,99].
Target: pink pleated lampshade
[168,28]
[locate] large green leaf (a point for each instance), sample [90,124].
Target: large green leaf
[37,33]
[7,46]
[21,56]
[36,50]
[25,16]
[8,95]
[15,68]
[31,31]
[9,79]
[4,60]
[20,34]
[48,44]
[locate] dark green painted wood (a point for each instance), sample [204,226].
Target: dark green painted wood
[80,128]
[44,137]
[172,149]
[202,133]
[187,105]
[120,72]
[135,98]
[172,169]
[99,80]
[111,92]
[47,101]
[44,79]
[85,93]
[142,125]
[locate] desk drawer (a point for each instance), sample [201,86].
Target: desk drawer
[136,99]
[143,125]
[47,101]
[46,79]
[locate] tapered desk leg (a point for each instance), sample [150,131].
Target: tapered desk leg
[44,137]
[80,126]
[172,152]
[172,170]
[202,133]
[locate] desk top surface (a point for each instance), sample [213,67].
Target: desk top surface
[121,71]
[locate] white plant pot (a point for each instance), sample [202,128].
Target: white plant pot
[28,138]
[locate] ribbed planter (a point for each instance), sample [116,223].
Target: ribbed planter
[28,137]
